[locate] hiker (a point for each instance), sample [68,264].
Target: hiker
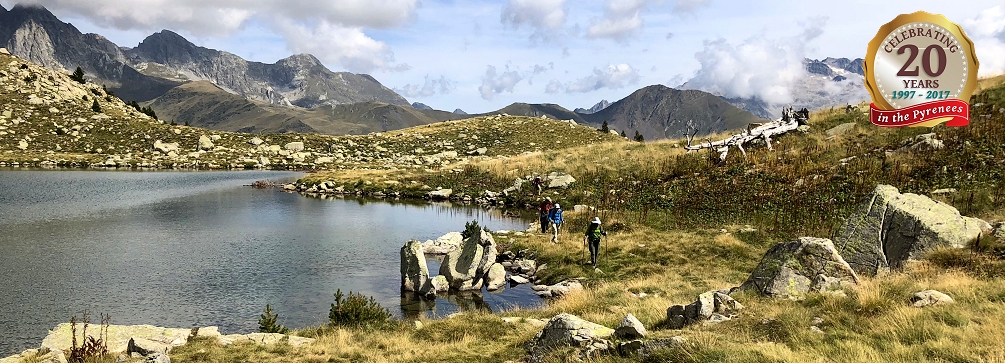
[555,217]
[544,209]
[537,183]
[592,238]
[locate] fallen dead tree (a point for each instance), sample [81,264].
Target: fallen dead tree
[790,120]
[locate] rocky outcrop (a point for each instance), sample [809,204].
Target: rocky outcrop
[890,228]
[414,271]
[496,277]
[264,338]
[630,328]
[930,298]
[711,307]
[792,269]
[556,290]
[443,245]
[205,143]
[441,194]
[560,181]
[569,330]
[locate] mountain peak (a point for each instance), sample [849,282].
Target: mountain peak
[302,60]
[600,106]
[420,106]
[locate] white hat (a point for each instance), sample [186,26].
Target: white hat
[596,220]
[559,206]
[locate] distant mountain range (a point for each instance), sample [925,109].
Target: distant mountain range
[828,82]
[596,108]
[213,89]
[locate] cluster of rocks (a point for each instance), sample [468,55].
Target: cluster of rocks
[591,340]
[711,307]
[468,267]
[146,342]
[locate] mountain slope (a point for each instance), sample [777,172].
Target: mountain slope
[659,112]
[35,34]
[596,108]
[203,104]
[299,80]
[550,110]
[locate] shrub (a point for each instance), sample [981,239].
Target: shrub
[604,128]
[471,229]
[91,347]
[96,107]
[78,75]
[31,78]
[357,311]
[267,322]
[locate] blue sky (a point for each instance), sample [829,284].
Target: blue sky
[483,55]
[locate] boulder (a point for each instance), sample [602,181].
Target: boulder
[440,194]
[264,338]
[564,287]
[496,277]
[840,129]
[579,208]
[165,147]
[157,358]
[255,141]
[296,146]
[713,305]
[999,231]
[923,142]
[60,338]
[930,298]
[146,347]
[461,266]
[890,228]
[489,253]
[560,181]
[630,328]
[792,269]
[205,143]
[414,271]
[434,285]
[567,330]
[519,280]
[443,245]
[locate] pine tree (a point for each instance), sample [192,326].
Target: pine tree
[267,323]
[95,106]
[78,75]
[638,137]
[604,128]
[623,134]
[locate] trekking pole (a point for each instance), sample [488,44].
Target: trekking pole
[584,249]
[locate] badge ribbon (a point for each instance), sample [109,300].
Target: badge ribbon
[956,110]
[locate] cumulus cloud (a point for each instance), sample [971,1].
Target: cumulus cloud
[493,84]
[428,88]
[621,20]
[987,30]
[346,46]
[340,21]
[612,77]
[544,16]
[689,6]
[758,67]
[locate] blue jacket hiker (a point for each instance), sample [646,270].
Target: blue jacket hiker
[555,220]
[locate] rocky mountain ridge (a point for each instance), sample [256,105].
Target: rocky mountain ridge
[165,60]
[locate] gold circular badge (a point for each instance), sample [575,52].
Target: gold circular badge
[917,59]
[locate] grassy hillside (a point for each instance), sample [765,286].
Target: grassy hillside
[203,104]
[688,223]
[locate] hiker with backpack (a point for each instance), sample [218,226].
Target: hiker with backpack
[592,238]
[555,218]
[544,210]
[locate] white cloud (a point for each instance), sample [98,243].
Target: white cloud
[346,46]
[331,30]
[544,16]
[428,88]
[493,84]
[612,77]
[621,20]
[987,30]
[758,67]
[553,87]
[689,6]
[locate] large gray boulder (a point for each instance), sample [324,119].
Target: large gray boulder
[296,146]
[930,298]
[443,245]
[890,228]
[414,271]
[460,267]
[792,269]
[489,253]
[440,194]
[560,180]
[495,279]
[569,330]
[205,143]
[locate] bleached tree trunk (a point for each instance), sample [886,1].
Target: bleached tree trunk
[790,121]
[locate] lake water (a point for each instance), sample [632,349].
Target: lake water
[187,249]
